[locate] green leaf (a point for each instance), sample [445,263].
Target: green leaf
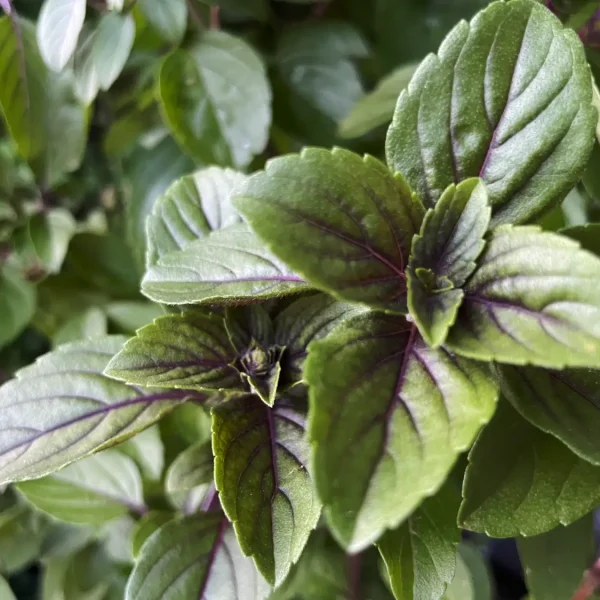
[261,457]
[61,408]
[554,562]
[191,208]
[216,99]
[147,450]
[512,105]
[420,555]
[189,351]
[472,578]
[228,266]
[23,91]
[130,316]
[17,305]
[194,557]
[533,299]
[388,418]
[562,403]
[146,526]
[112,44]
[86,84]
[97,489]
[450,241]
[191,469]
[91,323]
[343,222]
[536,486]
[587,235]
[169,19]
[58,28]
[377,108]
[5,591]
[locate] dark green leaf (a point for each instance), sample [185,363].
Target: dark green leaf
[261,457]
[388,417]
[190,209]
[537,484]
[58,28]
[146,526]
[195,557]
[587,235]
[61,408]
[420,555]
[228,266]
[443,257]
[554,562]
[216,99]
[169,19]
[97,489]
[343,222]
[17,305]
[189,351]
[508,99]
[534,299]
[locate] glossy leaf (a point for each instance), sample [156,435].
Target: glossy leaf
[565,404]
[169,19]
[61,408]
[216,99]
[97,489]
[443,257]
[420,556]
[512,105]
[532,300]
[58,28]
[554,562]
[343,222]
[191,208]
[388,417]
[195,557]
[86,84]
[538,485]
[261,457]
[17,305]
[188,351]
[227,266]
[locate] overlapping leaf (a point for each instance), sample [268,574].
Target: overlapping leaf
[261,457]
[388,417]
[508,99]
[537,485]
[534,299]
[343,222]
[17,304]
[169,19]
[62,408]
[193,468]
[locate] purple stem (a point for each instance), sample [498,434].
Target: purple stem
[6,7]
[211,500]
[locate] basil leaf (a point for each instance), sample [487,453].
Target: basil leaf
[261,457]
[169,19]
[228,266]
[533,299]
[58,28]
[146,526]
[342,221]
[562,403]
[61,408]
[189,351]
[388,417]
[147,450]
[5,591]
[113,41]
[472,580]
[92,491]
[216,99]
[194,557]
[554,562]
[538,485]
[587,235]
[507,99]
[17,303]
[191,208]
[420,555]
[191,469]
[443,257]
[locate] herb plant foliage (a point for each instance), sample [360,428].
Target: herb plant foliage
[350,326]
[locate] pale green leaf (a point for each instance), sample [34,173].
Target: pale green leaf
[195,557]
[5,591]
[443,257]
[343,222]
[216,99]
[94,490]
[86,84]
[534,299]
[261,458]
[17,305]
[147,450]
[129,316]
[61,408]
[112,44]
[508,98]
[472,580]
[58,28]
[227,266]
[536,485]
[388,418]
[169,19]
[91,323]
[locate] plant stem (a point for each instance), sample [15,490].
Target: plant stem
[589,584]
[194,15]
[215,17]
[6,7]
